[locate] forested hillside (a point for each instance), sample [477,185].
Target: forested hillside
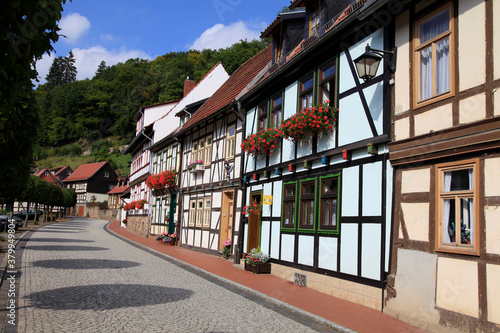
[105,105]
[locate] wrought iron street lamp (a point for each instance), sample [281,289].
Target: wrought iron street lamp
[367,63]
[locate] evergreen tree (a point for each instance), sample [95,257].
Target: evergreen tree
[62,71]
[69,69]
[55,76]
[101,69]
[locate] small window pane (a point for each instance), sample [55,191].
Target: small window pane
[426,73]
[449,221]
[434,26]
[443,66]
[329,186]
[277,101]
[327,72]
[307,84]
[308,188]
[467,222]
[460,180]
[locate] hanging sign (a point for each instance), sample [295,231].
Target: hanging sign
[268,200]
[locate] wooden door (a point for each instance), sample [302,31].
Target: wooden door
[81,210]
[254,224]
[226,226]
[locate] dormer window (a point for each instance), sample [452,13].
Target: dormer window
[278,54]
[314,21]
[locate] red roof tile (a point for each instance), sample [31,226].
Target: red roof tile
[85,171]
[47,175]
[232,87]
[118,189]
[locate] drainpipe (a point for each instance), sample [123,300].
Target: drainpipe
[243,187]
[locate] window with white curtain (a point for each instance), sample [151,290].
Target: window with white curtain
[457,213]
[433,54]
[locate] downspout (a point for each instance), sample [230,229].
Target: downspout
[243,187]
[179,193]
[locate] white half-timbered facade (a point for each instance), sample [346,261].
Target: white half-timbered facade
[326,199]
[211,164]
[167,151]
[140,163]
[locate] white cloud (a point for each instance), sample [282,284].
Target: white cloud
[87,60]
[74,26]
[222,36]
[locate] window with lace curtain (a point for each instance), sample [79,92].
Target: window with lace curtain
[433,57]
[457,211]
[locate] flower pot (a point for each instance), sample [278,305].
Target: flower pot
[259,268]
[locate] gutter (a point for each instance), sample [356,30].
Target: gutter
[319,42]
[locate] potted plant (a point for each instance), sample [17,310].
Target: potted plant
[196,166]
[226,250]
[166,238]
[258,262]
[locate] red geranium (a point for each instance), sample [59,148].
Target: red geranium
[316,120]
[263,142]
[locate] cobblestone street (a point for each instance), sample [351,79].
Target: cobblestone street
[76,277]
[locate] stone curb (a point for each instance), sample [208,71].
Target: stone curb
[248,290]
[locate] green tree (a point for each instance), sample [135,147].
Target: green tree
[56,72]
[101,69]
[27,29]
[69,69]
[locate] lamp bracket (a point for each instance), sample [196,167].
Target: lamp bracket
[389,56]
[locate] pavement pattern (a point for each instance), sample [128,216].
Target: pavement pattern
[76,277]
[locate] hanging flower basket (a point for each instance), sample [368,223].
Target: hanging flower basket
[162,180]
[253,209]
[262,142]
[316,120]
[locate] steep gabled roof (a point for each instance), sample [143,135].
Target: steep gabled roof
[85,171]
[118,190]
[46,175]
[58,172]
[232,87]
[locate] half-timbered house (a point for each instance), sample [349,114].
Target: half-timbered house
[445,151]
[211,176]
[324,199]
[167,149]
[140,163]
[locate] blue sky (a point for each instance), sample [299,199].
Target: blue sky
[115,31]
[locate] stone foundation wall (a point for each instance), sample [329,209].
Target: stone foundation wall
[348,290]
[138,224]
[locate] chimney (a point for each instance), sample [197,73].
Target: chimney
[188,86]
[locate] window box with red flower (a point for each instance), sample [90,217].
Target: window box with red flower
[196,166]
[263,142]
[162,180]
[313,121]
